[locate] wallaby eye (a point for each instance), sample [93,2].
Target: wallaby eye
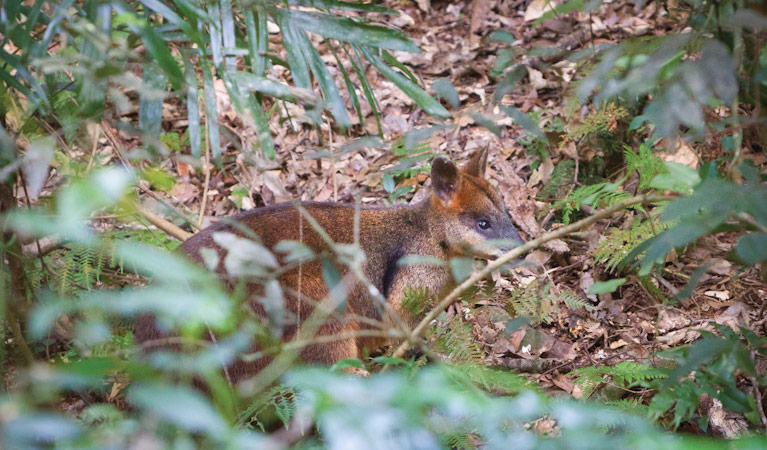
[483,224]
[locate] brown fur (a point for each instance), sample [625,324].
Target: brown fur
[441,226]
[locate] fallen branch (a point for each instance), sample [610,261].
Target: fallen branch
[163,224]
[516,253]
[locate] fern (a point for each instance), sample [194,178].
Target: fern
[596,195]
[602,128]
[279,401]
[617,243]
[77,267]
[459,441]
[648,165]
[540,304]
[559,182]
[630,406]
[625,375]
[573,301]
[495,380]
[416,300]
[456,340]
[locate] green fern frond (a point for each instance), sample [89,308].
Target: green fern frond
[458,441]
[630,406]
[617,243]
[600,121]
[416,299]
[279,401]
[495,380]
[76,267]
[647,164]
[573,301]
[597,195]
[541,304]
[625,375]
[456,340]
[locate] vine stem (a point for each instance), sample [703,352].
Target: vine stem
[516,253]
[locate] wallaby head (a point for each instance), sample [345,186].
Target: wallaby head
[472,210]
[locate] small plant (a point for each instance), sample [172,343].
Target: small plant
[618,243]
[540,303]
[713,366]
[456,341]
[648,165]
[625,375]
[279,402]
[596,195]
[416,300]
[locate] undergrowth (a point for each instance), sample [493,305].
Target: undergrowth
[541,304]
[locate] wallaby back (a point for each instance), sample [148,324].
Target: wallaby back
[463,211]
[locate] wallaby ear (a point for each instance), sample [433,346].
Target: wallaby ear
[444,178]
[477,164]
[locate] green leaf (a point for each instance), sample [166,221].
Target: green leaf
[348,30]
[245,257]
[301,54]
[245,81]
[461,268]
[159,264]
[420,259]
[214,139]
[151,100]
[604,287]
[390,361]
[346,6]
[419,96]
[33,430]
[36,163]
[481,119]
[258,39]
[509,81]
[158,178]
[295,250]
[502,36]
[156,47]
[752,247]
[227,33]
[363,79]
[679,178]
[178,405]
[192,107]
[214,30]
[445,89]
[515,324]
[388,183]
[336,289]
[525,121]
[347,363]
[391,60]
[348,81]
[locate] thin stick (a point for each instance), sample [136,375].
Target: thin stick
[96,136]
[206,168]
[163,224]
[515,253]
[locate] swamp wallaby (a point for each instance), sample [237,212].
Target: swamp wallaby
[462,212]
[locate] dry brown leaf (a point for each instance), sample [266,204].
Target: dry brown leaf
[537,8]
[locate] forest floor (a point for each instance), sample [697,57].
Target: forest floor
[571,328]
